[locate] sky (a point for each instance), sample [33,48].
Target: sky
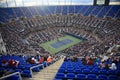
[17,3]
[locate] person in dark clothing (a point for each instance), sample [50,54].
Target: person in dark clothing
[90,61]
[74,58]
[84,62]
[45,58]
[65,59]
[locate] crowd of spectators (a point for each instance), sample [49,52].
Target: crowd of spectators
[31,59]
[101,34]
[24,36]
[103,62]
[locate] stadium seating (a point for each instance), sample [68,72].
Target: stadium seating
[84,72]
[60,76]
[99,11]
[14,77]
[70,75]
[81,76]
[113,77]
[92,76]
[24,68]
[103,77]
[26,73]
[24,28]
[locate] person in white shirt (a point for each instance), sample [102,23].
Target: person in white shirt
[113,66]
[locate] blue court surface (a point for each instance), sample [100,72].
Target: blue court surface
[61,43]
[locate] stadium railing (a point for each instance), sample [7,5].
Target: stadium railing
[35,67]
[16,73]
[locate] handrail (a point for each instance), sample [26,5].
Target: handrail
[35,67]
[20,74]
[11,75]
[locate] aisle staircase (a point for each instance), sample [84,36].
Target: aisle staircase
[47,73]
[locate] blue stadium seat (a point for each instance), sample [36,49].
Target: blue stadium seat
[91,67]
[21,67]
[91,76]
[27,66]
[60,76]
[70,70]
[70,76]
[102,77]
[78,71]
[103,71]
[118,72]
[26,73]
[81,76]
[86,71]
[95,71]
[111,72]
[18,70]
[62,70]
[37,69]
[45,64]
[113,77]
[14,77]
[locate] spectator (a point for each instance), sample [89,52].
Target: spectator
[65,59]
[10,62]
[113,66]
[90,61]
[4,63]
[49,59]
[41,59]
[32,60]
[15,63]
[102,65]
[74,58]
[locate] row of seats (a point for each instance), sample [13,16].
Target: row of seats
[76,70]
[25,69]
[72,76]
[87,71]
[13,77]
[99,11]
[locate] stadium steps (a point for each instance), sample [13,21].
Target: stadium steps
[47,73]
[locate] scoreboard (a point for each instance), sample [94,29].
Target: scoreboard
[101,2]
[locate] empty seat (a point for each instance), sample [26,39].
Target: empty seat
[102,77]
[37,69]
[14,77]
[111,72]
[103,71]
[90,67]
[78,71]
[70,71]
[26,73]
[21,67]
[60,76]
[76,67]
[81,76]
[86,71]
[70,76]
[118,72]
[18,70]
[61,70]
[45,64]
[113,77]
[91,76]
[95,71]
[28,66]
